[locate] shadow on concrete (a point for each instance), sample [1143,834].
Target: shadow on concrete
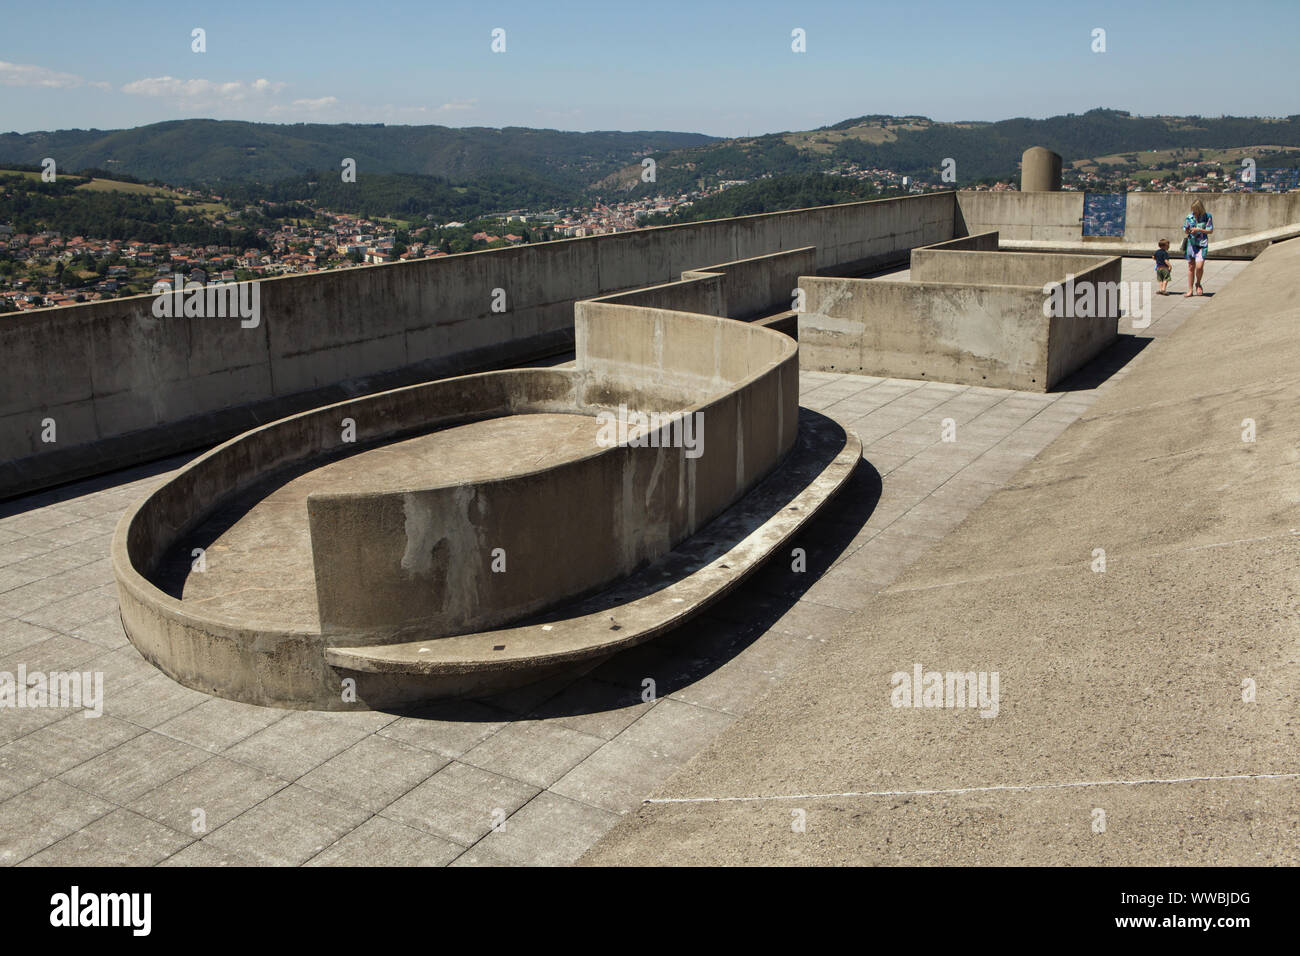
[698,648]
[1109,361]
[88,486]
[176,565]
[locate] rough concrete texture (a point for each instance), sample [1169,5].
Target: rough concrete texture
[996,267]
[1241,247]
[1040,170]
[979,242]
[1057,217]
[124,386]
[560,762]
[964,316]
[258,563]
[1161,691]
[416,569]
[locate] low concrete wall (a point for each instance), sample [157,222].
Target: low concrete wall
[221,656]
[1017,215]
[996,268]
[760,285]
[123,386]
[1154,216]
[969,332]
[971,335]
[702,292]
[1074,340]
[980,242]
[1149,217]
[747,289]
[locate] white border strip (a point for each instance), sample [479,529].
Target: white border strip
[992,789]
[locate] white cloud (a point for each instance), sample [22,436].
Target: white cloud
[457,105]
[199,89]
[321,103]
[26,74]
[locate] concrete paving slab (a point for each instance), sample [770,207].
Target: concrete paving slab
[134,767]
[550,830]
[449,728]
[304,740]
[382,839]
[374,772]
[217,724]
[288,828]
[40,817]
[461,803]
[207,796]
[120,838]
[536,752]
[68,742]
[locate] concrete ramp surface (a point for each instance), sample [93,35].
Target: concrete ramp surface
[1134,589]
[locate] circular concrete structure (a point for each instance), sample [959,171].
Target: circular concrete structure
[471,534]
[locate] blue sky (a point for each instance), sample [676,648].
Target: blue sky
[720,68]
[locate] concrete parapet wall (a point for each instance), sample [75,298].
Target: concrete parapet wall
[701,292]
[1074,340]
[979,242]
[124,386]
[1017,215]
[1149,217]
[996,268]
[1154,216]
[949,332]
[971,332]
[762,284]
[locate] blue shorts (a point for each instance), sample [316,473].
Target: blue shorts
[1196,254]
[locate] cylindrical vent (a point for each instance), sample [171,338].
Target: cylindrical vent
[1040,170]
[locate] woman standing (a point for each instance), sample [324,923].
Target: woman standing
[1197,227]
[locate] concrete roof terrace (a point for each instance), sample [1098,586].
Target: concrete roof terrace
[782,689]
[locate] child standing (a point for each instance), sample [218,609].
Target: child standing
[1162,266]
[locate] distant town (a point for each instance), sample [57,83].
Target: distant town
[45,269]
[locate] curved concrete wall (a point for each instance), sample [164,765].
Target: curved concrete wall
[216,655]
[418,563]
[636,503]
[124,386]
[756,286]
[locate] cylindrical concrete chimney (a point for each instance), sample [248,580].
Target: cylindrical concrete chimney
[1040,170]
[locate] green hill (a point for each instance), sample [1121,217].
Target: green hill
[212,152]
[412,172]
[916,146]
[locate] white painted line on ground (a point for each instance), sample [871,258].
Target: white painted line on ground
[992,789]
